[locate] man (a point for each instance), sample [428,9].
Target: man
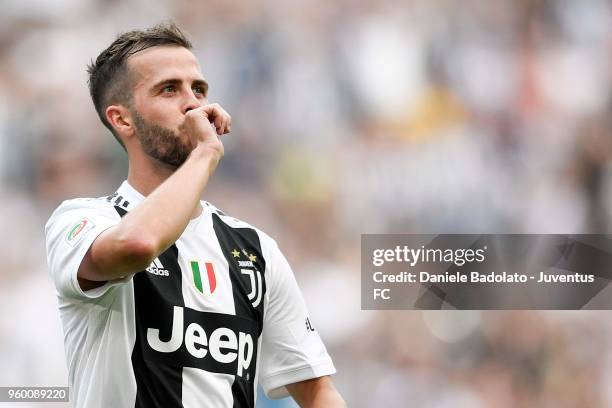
[164,300]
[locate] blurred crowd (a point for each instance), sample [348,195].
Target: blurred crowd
[349,117]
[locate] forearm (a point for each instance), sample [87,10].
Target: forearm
[325,398]
[154,225]
[160,219]
[165,213]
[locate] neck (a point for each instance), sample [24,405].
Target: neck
[145,174]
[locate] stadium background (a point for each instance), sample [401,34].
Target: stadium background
[349,117]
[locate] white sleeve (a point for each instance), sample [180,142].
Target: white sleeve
[70,231]
[292,350]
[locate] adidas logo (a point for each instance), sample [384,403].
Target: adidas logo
[156,268]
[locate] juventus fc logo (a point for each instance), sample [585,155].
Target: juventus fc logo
[255,280]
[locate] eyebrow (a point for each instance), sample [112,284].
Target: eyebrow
[175,81]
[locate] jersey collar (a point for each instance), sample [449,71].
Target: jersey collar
[127,196]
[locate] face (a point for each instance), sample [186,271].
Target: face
[168,84]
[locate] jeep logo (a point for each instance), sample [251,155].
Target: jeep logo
[224,345]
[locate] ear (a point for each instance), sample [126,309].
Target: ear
[121,120]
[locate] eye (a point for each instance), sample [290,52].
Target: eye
[168,89]
[199,90]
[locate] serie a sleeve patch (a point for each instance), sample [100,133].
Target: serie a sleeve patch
[75,233]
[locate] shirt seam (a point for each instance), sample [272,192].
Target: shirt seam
[300,368]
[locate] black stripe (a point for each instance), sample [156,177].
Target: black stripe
[157,385]
[243,239]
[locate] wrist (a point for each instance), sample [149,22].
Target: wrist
[202,151]
[205,155]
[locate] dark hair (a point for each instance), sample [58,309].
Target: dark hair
[109,78]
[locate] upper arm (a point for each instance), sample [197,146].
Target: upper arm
[70,234]
[315,393]
[114,254]
[292,350]
[90,274]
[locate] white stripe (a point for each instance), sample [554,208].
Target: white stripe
[252,279]
[157,263]
[205,389]
[259,286]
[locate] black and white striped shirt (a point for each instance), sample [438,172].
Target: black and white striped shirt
[216,313]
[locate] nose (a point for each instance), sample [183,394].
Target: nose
[190,102]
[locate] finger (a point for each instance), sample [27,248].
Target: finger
[225,124]
[218,119]
[218,116]
[228,127]
[206,113]
[210,111]
[224,119]
[223,127]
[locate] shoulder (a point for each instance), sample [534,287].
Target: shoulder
[86,206]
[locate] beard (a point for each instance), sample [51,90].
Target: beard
[160,143]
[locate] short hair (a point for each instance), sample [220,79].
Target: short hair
[109,78]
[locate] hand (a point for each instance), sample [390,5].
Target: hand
[198,125]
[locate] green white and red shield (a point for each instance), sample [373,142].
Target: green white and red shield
[207,285]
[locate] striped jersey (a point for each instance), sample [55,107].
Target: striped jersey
[214,315]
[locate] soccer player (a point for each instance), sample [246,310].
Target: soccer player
[165,301]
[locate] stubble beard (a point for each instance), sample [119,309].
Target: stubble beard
[161,143]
